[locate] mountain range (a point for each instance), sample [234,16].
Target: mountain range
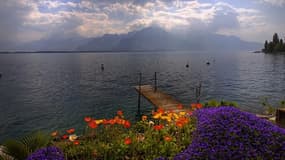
[147,39]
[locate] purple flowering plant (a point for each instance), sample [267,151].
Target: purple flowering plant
[228,133]
[48,153]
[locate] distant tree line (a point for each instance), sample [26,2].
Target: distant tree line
[276,45]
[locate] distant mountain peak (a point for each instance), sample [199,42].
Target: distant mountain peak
[147,39]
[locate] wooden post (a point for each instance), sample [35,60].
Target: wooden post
[198,92]
[280,117]
[155,82]
[139,93]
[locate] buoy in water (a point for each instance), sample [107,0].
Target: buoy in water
[187,66]
[102,67]
[208,63]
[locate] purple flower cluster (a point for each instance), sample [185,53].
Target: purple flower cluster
[228,133]
[48,153]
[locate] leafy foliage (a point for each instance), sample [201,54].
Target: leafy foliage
[282,104]
[215,103]
[20,149]
[269,108]
[276,45]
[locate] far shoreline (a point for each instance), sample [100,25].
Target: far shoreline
[118,51]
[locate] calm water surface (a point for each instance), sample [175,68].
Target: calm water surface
[55,91]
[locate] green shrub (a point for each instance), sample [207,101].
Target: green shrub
[215,103]
[19,149]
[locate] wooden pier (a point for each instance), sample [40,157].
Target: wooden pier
[159,98]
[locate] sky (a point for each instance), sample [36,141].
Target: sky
[24,21]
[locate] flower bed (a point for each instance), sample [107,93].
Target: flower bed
[210,133]
[228,133]
[165,133]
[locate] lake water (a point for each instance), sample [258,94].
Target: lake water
[56,90]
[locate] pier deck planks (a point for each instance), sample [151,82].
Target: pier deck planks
[159,98]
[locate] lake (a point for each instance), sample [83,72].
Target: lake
[50,91]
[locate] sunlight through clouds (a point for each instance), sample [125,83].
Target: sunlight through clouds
[91,18]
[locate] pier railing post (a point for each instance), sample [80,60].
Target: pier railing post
[139,93]
[280,117]
[155,82]
[198,92]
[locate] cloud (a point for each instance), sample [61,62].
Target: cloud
[225,17]
[29,20]
[278,3]
[252,25]
[12,16]
[56,4]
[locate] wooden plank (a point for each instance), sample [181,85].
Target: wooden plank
[159,98]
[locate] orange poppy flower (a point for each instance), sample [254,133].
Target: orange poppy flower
[179,124]
[64,136]
[199,105]
[116,117]
[54,134]
[144,118]
[92,124]
[128,141]
[105,121]
[112,121]
[183,120]
[158,127]
[87,119]
[70,131]
[167,138]
[160,110]
[76,142]
[179,106]
[120,113]
[193,105]
[127,124]
[120,121]
[123,121]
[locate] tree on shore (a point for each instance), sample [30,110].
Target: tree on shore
[266,45]
[276,45]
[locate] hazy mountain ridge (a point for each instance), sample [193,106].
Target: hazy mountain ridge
[154,38]
[147,39]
